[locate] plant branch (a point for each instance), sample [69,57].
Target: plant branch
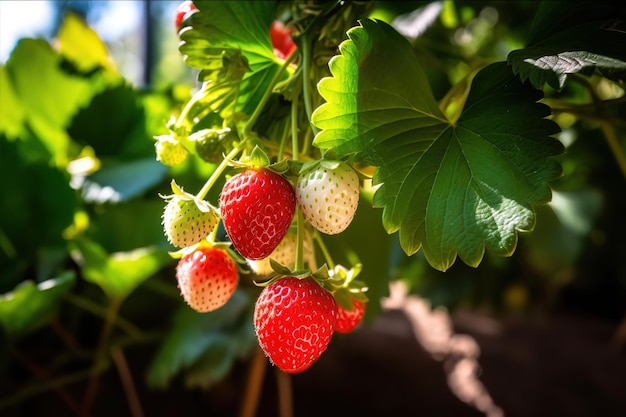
[253,385]
[100,355]
[117,354]
[285,394]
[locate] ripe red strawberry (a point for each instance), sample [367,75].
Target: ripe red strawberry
[285,254]
[186,221]
[328,195]
[349,319]
[281,39]
[207,278]
[294,321]
[257,206]
[183,11]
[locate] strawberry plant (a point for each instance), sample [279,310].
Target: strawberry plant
[472,150]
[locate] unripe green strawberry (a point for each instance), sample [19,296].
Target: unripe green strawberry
[285,254]
[207,278]
[328,195]
[169,151]
[349,319]
[186,221]
[294,320]
[209,146]
[257,206]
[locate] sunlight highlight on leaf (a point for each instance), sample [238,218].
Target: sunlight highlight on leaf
[451,190]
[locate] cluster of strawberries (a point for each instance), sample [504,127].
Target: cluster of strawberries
[295,316]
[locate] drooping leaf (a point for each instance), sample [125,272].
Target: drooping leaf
[569,38]
[232,30]
[204,347]
[451,189]
[118,273]
[31,305]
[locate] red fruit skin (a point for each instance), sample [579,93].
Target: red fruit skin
[207,278]
[294,321]
[347,320]
[281,39]
[183,11]
[257,207]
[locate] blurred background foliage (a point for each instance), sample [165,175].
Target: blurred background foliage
[84,268]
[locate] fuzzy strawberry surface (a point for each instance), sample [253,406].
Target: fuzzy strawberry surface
[294,321]
[257,207]
[207,278]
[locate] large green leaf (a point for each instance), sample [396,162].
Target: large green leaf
[451,189]
[118,273]
[48,94]
[13,113]
[220,34]
[569,38]
[31,305]
[204,346]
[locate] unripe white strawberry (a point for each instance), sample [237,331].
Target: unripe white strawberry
[186,219]
[328,195]
[169,151]
[285,254]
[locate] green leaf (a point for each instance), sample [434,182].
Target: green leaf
[82,45]
[569,38]
[37,202]
[121,181]
[232,29]
[451,189]
[120,133]
[204,346]
[118,273]
[49,96]
[13,113]
[31,305]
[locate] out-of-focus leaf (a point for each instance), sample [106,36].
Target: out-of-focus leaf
[37,202]
[203,347]
[114,124]
[13,114]
[82,45]
[121,181]
[118,273]
[49,96]
[562,230]
[31,305]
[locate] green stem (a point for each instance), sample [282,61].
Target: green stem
[218,171]
[299,240]
[327,257]
[306,85]
[268,93]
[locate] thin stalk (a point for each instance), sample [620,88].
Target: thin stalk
[285,394]
[254,384]
[117,354]
[327,256]
[100,355]
[306,85]
[268,93]
[218,172]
